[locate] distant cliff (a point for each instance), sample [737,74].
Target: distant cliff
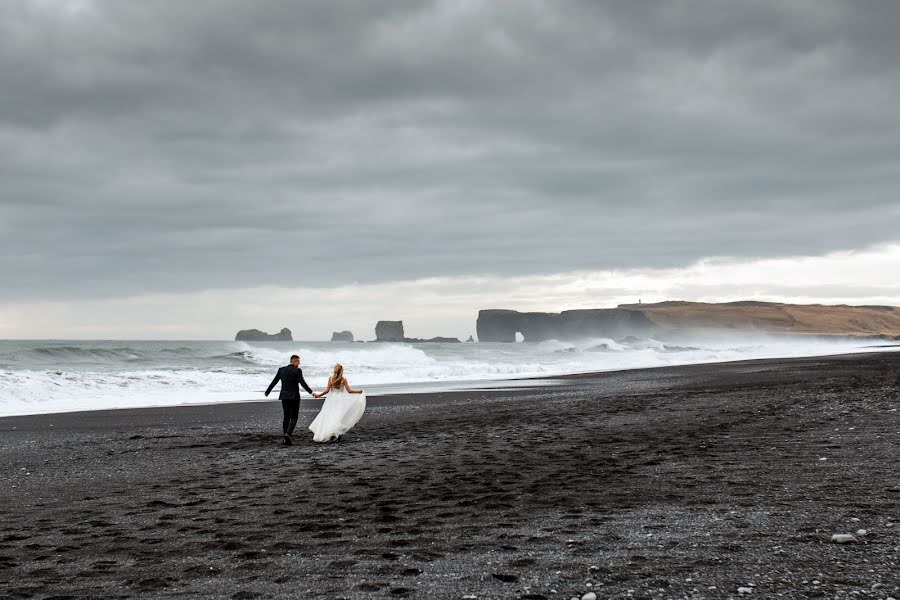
[255,335]
[773,317]
[645,320]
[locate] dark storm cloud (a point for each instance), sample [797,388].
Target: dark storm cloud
[168,146]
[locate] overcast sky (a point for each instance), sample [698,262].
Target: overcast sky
[322,158]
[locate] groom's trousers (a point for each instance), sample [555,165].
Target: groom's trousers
[291,414]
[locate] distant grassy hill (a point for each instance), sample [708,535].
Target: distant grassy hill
[772,317]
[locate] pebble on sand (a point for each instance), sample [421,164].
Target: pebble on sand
[589,596]
[843,538]
[745,590]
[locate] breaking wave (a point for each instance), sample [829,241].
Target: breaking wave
[39,377]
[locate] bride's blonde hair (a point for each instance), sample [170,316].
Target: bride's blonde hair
[337,378]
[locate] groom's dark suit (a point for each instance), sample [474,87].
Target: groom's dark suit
[291,379]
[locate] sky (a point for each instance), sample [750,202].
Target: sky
[181,170]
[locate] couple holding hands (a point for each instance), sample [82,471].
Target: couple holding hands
[343,407]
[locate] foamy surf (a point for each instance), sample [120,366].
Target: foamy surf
[49,377]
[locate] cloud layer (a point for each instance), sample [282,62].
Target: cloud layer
[171,147]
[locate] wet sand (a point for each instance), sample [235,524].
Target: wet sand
[687,481]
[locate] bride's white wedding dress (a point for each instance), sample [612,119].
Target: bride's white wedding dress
[341,411]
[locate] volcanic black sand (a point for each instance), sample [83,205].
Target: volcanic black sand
[688,481]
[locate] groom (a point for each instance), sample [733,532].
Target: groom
[291,378]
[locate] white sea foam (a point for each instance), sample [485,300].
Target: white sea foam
[41,377]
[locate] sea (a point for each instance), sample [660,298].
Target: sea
[41,376]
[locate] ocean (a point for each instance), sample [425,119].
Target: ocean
[60,376]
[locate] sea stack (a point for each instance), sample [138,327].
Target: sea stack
[255,335]
[392,331]
[341,336]
[389,331]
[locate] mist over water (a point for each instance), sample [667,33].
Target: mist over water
[49,376]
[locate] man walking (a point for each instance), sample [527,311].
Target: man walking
[291,378]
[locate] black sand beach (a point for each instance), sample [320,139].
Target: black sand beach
[690,481]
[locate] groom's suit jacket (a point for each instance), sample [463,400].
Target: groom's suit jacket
[291,379]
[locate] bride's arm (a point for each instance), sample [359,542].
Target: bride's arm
[323,392]
[351,390]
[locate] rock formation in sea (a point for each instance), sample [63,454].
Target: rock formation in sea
[341,336]
[392,331]
[502,325]
[255,335]
[389,331]
[470,340]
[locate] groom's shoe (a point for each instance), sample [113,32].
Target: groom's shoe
[287,440]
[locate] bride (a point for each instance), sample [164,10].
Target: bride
[343,408]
